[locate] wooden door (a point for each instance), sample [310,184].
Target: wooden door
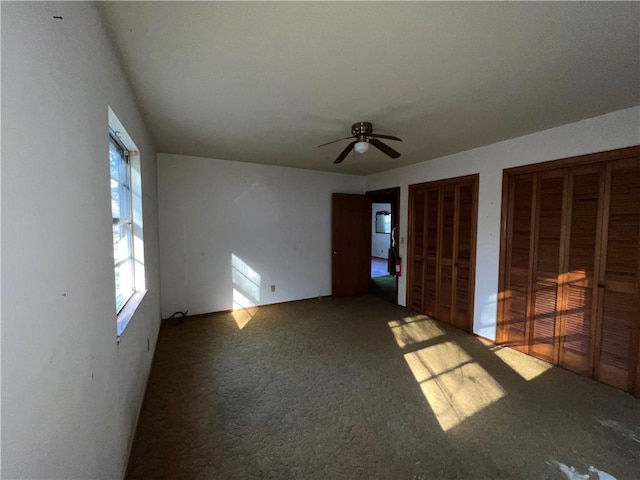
[578,311]
[515,311]
[431,259]
[351,241]
[618,283]
[442,236]
[578,302]
[547,248]
[464,257]
[417,234]
[445,271]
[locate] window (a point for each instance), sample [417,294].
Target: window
[122,214]
[383,222]
[126,213]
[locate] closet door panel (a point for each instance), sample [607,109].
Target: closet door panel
[578,315]
[431,256]
[576,334]
[417,202]
[463,257]
[447,215]
[620,313]
[549,228]
[416,294]
[517,280]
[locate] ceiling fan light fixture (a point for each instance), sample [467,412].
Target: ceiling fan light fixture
[361,147]
[362,133]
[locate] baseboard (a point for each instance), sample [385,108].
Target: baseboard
[229,310]
[485,339]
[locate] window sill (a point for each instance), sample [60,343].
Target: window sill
[127,312]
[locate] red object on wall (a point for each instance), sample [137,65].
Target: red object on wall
[398,266]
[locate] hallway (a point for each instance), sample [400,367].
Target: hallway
[360,388]
[379,267]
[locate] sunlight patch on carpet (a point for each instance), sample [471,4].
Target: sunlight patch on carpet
[524,365]
[414,329]
[455,386]
[243,309]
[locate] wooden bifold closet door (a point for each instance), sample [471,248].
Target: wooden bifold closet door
[442,235]
[618,341]
[570,264]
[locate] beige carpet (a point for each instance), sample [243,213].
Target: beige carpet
[359,388]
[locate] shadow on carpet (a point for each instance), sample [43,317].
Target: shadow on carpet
[384,287]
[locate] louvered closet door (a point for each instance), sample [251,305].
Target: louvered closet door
[417,236]
[619,284]
[578,314]
[442,249]
[516,294]
[570,271]
[464,249]
[447,295]
[431,257]
[550,192]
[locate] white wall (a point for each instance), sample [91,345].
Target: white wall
[607,132]
[380,242]
[275,220]
[70,393]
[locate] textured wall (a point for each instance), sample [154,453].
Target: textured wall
[71,393]
[230,230]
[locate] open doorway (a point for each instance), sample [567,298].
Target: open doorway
[384,243]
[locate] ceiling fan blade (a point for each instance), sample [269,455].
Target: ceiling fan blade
[388,137]
[384,148]
[345,152]
[339,140]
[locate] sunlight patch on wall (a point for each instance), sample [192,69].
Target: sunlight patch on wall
[486,326]
[455,386]
[414,329]
[524,365]
[246,291]
[245,278]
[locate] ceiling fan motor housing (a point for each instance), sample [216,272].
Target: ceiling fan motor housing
[361,128]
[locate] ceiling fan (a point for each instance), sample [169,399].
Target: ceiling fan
[364,136]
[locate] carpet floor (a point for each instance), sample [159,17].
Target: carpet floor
[358,388]
[384,287]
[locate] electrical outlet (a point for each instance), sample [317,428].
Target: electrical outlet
[273,288]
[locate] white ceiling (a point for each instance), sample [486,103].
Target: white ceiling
[267,82]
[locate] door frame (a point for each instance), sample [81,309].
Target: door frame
[381,196]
